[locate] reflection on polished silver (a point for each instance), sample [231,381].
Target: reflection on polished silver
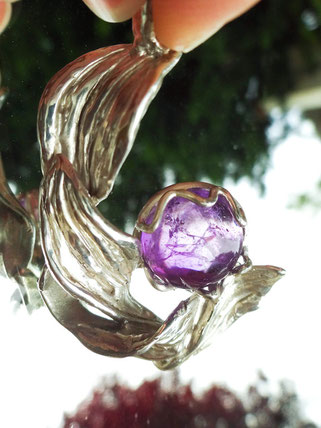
[3,93]
[20,255]
[89,115]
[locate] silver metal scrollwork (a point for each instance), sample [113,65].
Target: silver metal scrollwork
[89,116]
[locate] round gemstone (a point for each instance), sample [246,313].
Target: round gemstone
[194,246]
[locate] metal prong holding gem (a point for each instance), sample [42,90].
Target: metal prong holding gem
[191,235]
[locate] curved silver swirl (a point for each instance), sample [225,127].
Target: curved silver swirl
[89,116]
[18,258]
[17,239]
[90,111]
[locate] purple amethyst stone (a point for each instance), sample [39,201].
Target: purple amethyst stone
[194,246]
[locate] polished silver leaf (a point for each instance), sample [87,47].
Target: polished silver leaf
[17,240]
[100,334]
[90,111]
[167,343]
[182,333]
[17,231]
[27,282]
[241,294]
[86,254]
[88,118]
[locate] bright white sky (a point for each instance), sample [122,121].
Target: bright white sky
[44,371]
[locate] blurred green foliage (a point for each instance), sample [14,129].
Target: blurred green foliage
[310,200]
[208,119]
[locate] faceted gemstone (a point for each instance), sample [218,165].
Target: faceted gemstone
[194,246]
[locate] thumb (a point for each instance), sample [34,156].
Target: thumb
[182,25]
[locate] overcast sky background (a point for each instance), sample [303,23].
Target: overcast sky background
[45,371]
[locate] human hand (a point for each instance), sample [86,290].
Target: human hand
[114,10]
[180,25]
[5,13]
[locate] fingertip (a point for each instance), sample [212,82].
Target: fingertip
[5,15]
[186,24]
[114,10]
